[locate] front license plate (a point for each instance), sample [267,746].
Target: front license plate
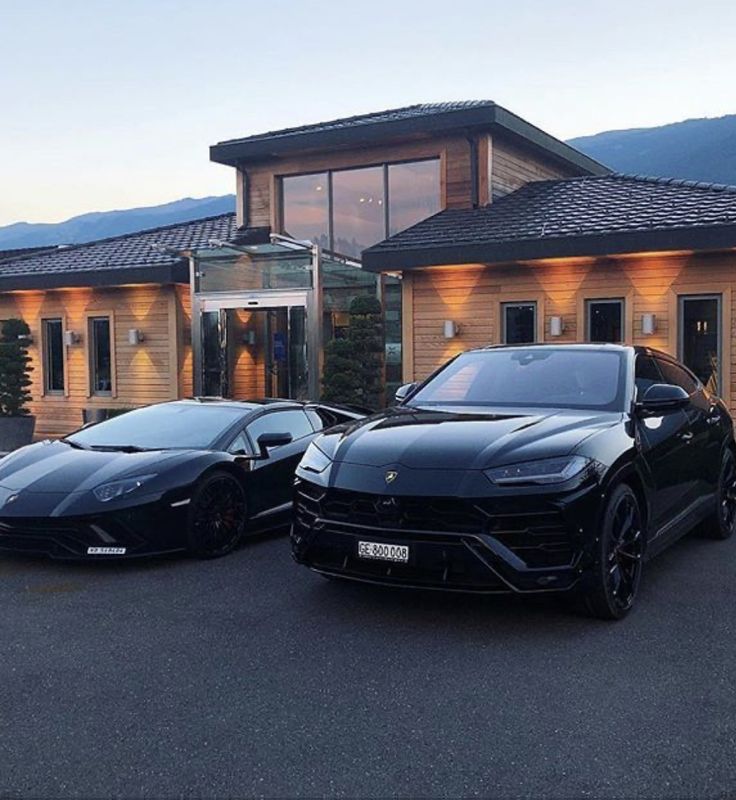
[384,552]
[106,551]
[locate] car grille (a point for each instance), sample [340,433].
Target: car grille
[539,537]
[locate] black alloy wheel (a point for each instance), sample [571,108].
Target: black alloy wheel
[216,516]
[721,525]
[615,576]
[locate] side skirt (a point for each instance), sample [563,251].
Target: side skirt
[683,523]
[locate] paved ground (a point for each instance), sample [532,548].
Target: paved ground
[252,676]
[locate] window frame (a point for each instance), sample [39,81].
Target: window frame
[584,296]
[681,300]
[45,361]
[590,302]
[90,339]
[278,195]
[499,321]
[507,304]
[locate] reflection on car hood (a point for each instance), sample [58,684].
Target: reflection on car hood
[57,467]
[472,439]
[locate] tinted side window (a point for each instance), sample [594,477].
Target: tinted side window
[677,376]
[646,374]
[294,422]
[239,445]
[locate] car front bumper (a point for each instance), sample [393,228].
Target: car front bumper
[526,544]
[139,531]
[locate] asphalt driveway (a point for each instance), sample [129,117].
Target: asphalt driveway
[252,676]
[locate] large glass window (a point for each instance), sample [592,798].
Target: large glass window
[100,356]
[305,208]
[605,320]
[413,193]
[350,209]
[358,213]
[53,356]
[700,337]
[519,323]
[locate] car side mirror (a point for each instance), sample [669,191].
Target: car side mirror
[269,440]
[404,391]
[661,397]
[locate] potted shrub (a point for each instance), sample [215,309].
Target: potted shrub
[353,368]
[16,423]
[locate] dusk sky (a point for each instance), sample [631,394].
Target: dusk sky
[113,104]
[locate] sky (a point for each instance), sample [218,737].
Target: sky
[111,104]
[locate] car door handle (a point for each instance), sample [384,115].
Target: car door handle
[714,419]
[687,436]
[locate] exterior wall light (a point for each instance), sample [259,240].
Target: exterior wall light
[135,336]
[556,326]
[71,338]
[648,324]
[450,329]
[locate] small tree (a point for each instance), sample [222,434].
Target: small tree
[14,368]
[353,370]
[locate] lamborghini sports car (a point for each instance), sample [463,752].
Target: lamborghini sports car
[194,475]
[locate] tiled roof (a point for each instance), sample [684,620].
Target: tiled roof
[408,122]
[150,252]
[18,252]
[537,221]
[390,115]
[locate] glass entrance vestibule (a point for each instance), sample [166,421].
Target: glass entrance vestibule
[262,314]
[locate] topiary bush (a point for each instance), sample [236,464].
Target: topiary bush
[353,368]
[14,368]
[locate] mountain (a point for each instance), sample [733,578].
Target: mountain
[696,149]
[102,224]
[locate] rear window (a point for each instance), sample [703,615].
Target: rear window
[535,377]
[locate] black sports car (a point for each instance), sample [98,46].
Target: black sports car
[187,475]
[526,469]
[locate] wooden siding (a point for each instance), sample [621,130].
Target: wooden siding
[185,359]
[472,296]
[144,373]
[512,166]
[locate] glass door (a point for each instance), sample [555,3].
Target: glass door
[700,344]
[255,352]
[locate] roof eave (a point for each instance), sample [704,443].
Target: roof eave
[491,117]
[702,238]
[97,278]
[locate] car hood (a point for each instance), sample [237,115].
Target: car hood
[55,467]
[474,439]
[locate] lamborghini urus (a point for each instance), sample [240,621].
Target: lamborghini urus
[522,469]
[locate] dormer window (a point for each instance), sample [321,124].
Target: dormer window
[348,210]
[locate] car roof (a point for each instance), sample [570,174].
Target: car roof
[602,346]
[243,405]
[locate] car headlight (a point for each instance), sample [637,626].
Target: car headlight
[314,460]
[110,491]
[545,471]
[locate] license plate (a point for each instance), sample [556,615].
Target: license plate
[384,552]
[106,551]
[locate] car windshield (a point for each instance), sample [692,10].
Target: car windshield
[169,425]
[529,377]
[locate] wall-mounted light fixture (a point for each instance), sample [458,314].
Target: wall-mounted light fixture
[71,338]
[135,336]
[648,324]
[450,329]
[556,326]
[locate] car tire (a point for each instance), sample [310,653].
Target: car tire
[612,583]
[216,516]
[720,525]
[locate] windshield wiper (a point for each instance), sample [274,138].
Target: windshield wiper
[123,448]
[75,445]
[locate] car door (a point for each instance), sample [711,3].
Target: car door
[704,460]
[271,478]
[665,449]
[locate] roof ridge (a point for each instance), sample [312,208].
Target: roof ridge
[56,248]
[436,107]
[624,177]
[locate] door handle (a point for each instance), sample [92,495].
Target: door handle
[687,436]
[714,419]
